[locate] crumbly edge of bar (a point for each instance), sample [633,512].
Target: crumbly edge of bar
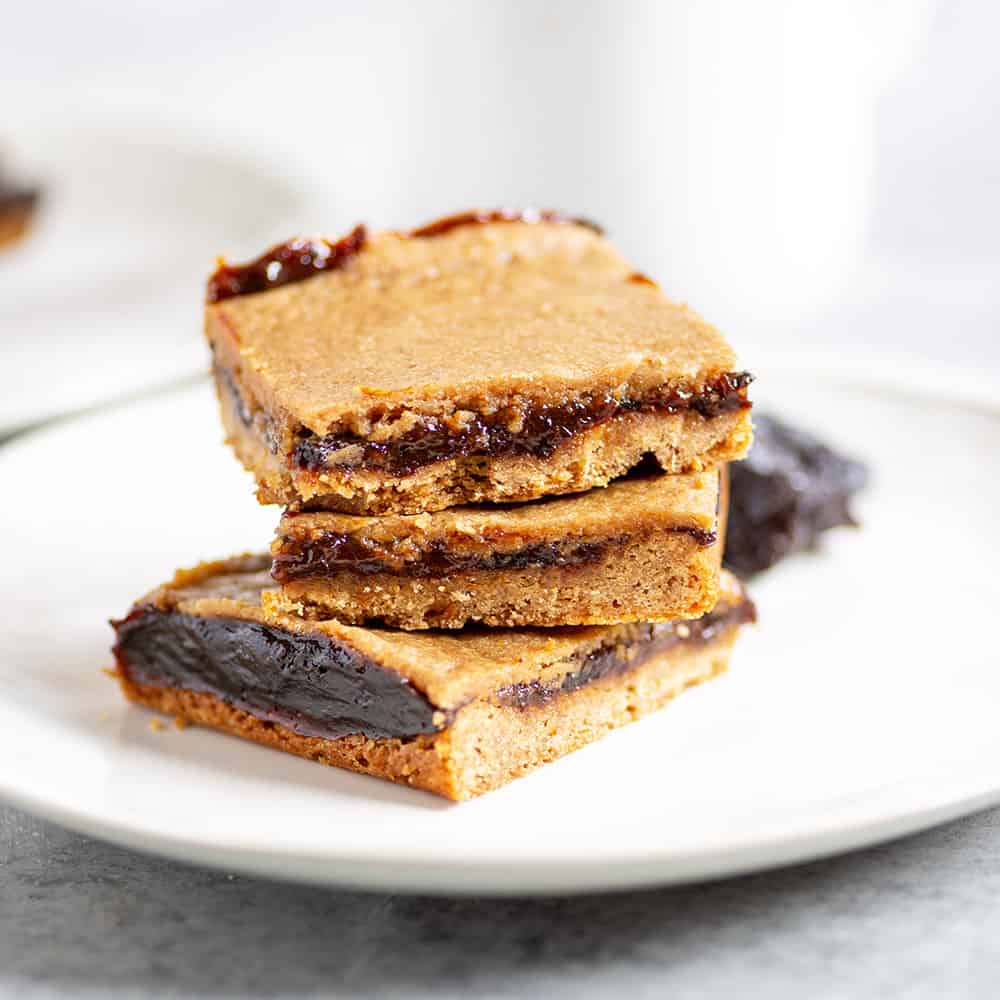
[382,415]
[487,745]
[653,578]
[383,422]
[524,656]
[626,509]
[681,442]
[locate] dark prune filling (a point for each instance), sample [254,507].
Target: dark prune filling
[328,552]
[309,683]
[785,494]
[542,428]
[284,264]
[481,217]
[305,257]
[610,660]
[316,686]
[331,552]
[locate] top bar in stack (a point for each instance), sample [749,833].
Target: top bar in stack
[492,356]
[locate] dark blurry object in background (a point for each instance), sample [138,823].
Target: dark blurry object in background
[17,207]
[784,494]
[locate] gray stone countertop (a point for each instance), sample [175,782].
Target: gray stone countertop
[916,918]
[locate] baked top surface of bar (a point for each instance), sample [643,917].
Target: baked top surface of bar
[628,507]
[421,674]
[476,315]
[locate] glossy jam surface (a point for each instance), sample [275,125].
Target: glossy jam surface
[607,661]
[305,257]
[284,264]
[328,552]
[308,683]
[785,494]
[483,217]
[543,428]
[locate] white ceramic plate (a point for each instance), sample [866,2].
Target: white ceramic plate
[103,296]
[863,706]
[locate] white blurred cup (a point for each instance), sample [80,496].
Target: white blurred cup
[727,146]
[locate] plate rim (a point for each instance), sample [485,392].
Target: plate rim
[942,798]
[524,876]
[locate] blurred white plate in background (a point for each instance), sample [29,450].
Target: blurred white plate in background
[103,297]
[863,705]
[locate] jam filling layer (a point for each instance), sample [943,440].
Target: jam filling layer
[612,660]
[541,429]
[327,552]
[316,686]
[284,264]
[308,683]
[486,216]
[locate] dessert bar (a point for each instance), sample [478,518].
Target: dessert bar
[486,357]
[785,494]
[645,548]
[454,713]
[17,207]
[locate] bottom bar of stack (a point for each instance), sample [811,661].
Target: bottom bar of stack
[456,713]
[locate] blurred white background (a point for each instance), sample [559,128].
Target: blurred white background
[802,172]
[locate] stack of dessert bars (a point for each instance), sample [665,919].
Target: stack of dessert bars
[500,452]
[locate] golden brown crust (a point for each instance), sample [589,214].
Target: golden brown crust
[475,318]
[417,761]
[497,323]
[627,506]
[449,668]
[656,576]
[488,745]
[641,549]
